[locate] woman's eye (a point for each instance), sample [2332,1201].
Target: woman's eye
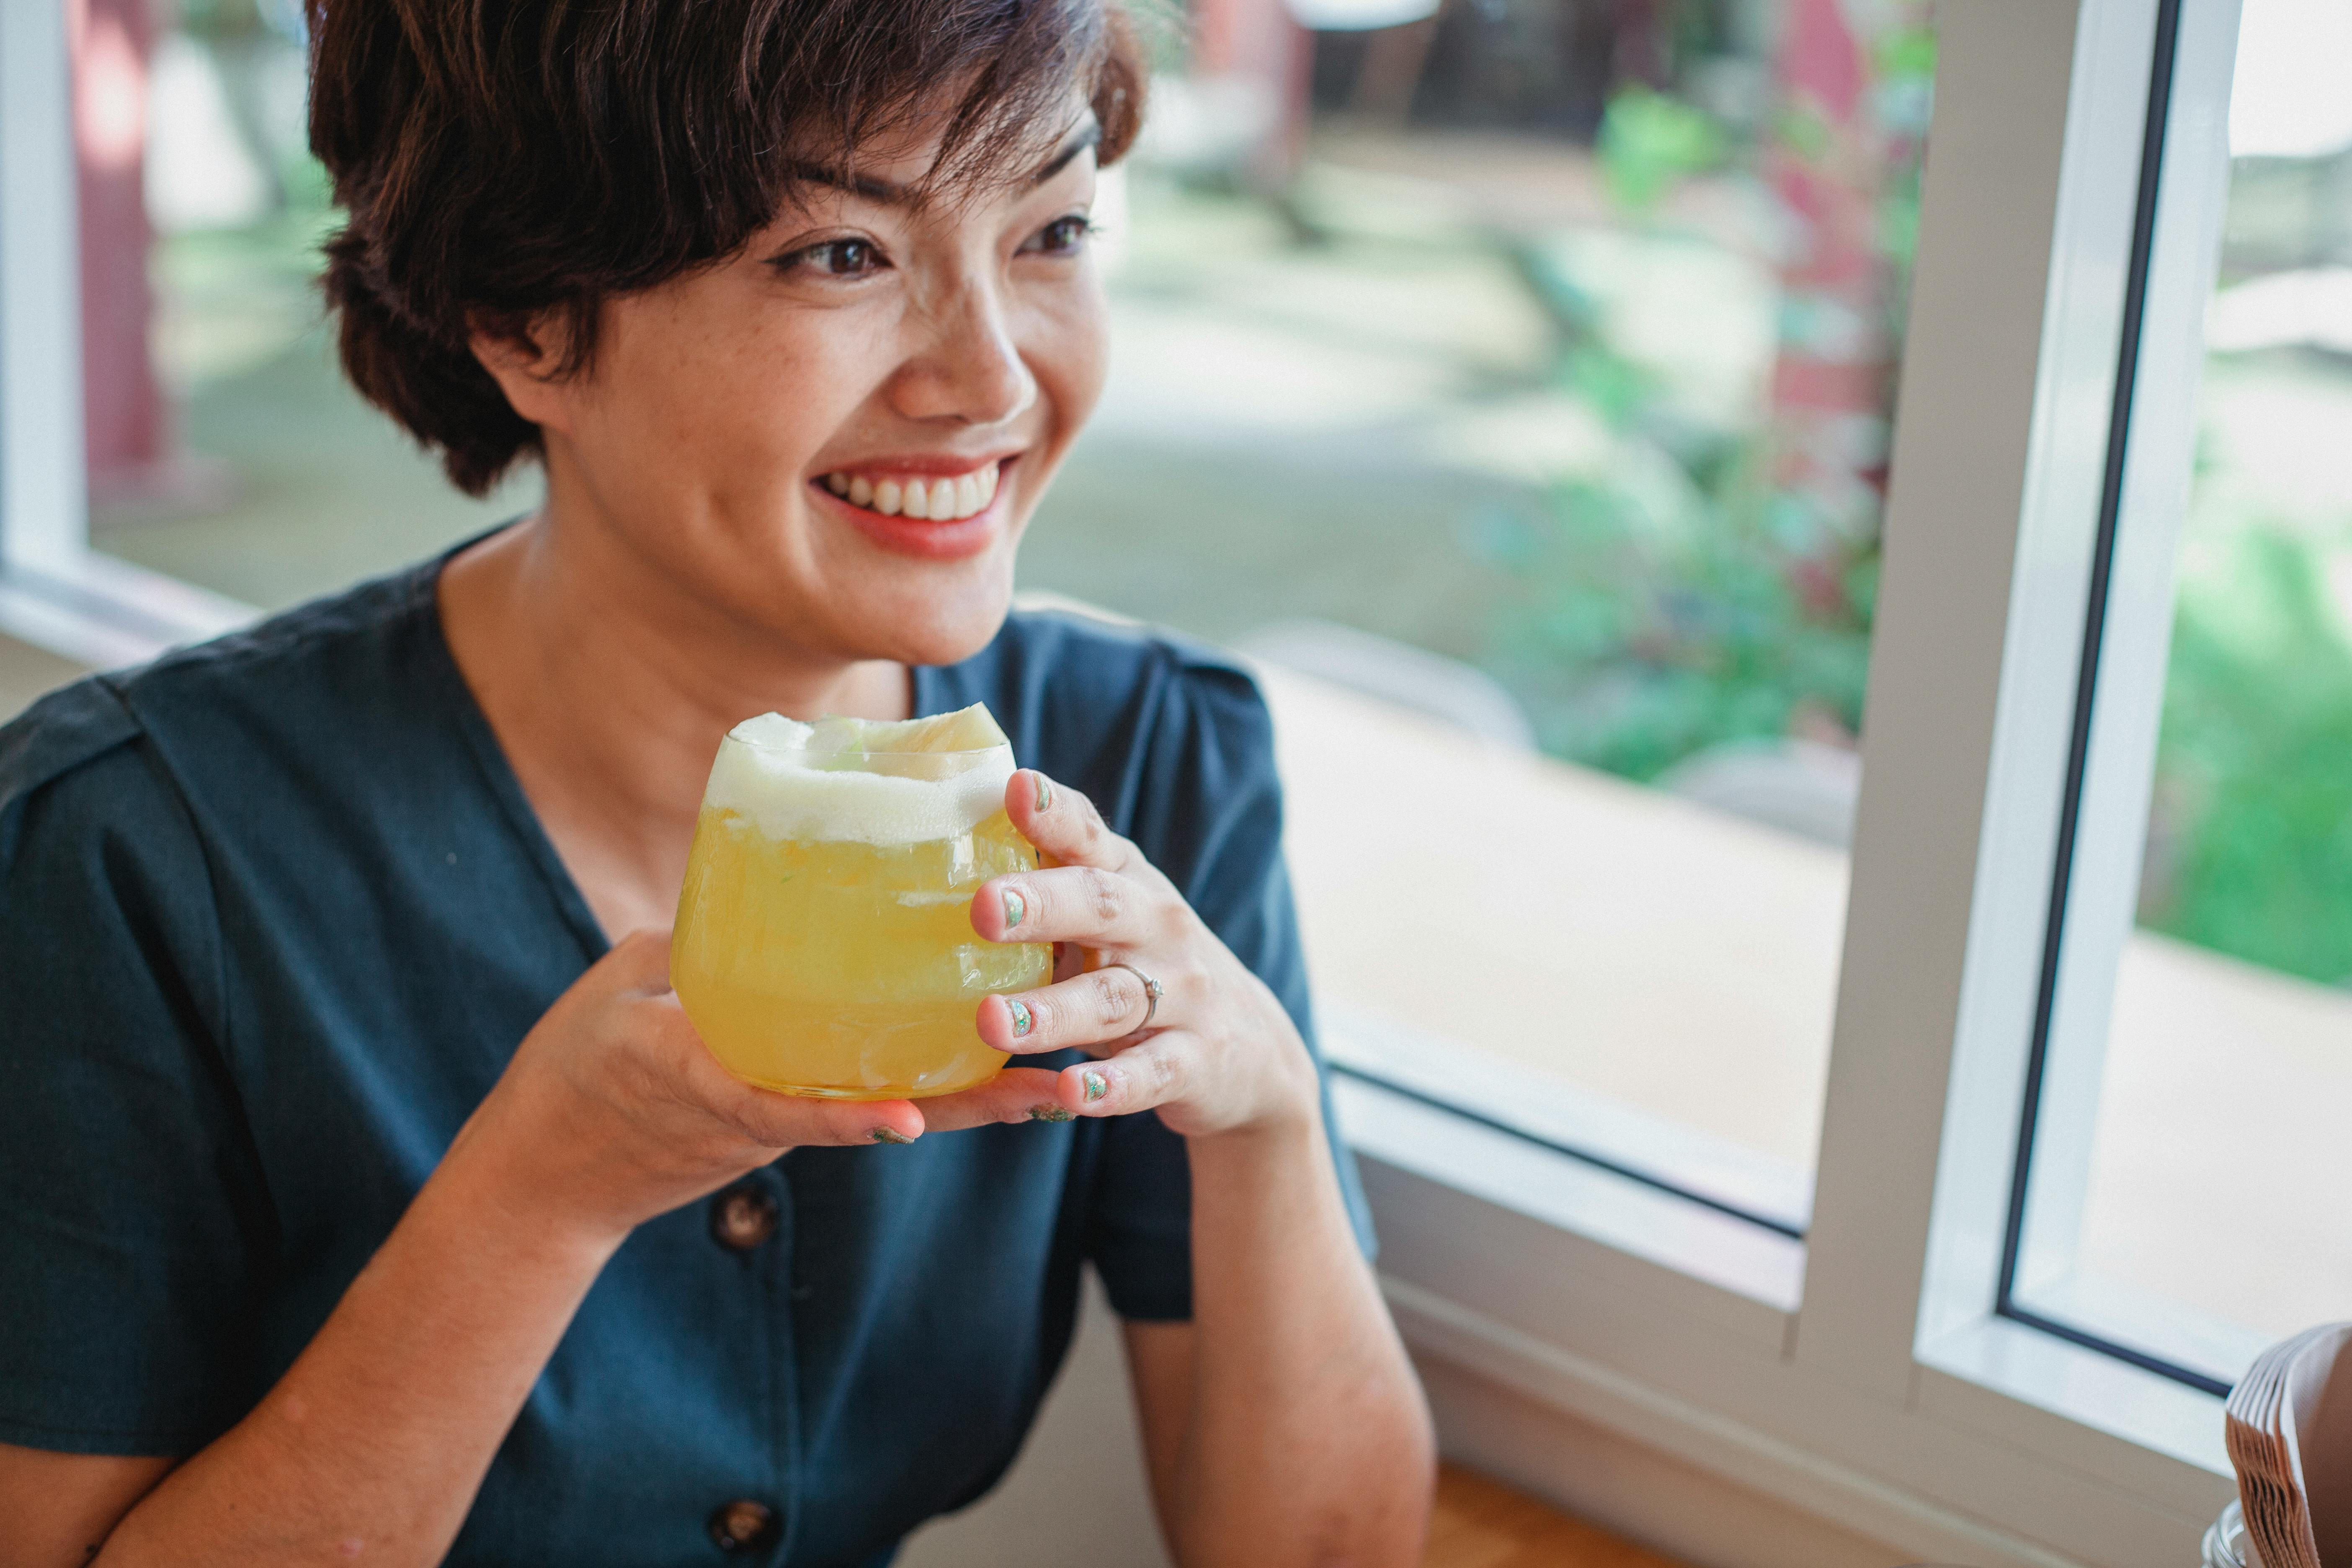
[836,258]
[1062,237]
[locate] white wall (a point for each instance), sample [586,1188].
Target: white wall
[1078,1497]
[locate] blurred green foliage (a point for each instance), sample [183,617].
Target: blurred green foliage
[232,19]
[1649,144]
[1661,620]
[1674,600]
[2254,846]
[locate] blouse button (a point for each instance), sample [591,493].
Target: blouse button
[742,1218]
[743,1525]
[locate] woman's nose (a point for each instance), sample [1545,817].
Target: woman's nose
[969,370]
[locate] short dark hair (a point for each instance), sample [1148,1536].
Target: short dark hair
[497,159]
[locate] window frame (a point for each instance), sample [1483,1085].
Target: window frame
[1890,1395]
[2122,667]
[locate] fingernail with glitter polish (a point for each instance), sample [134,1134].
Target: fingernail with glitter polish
[1022,1021]
[1051,1114]
[1013,908]
[889,1135]
[1097,1086]
[1045,793]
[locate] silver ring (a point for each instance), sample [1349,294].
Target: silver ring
[1150,992]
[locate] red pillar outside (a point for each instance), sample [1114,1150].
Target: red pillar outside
[122,402]
[1258,41]
[1832,163]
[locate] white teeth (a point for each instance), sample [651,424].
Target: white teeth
[936,500]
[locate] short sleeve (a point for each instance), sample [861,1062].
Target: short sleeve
[1208,811]
[130,1209]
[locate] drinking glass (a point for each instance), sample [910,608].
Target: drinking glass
[824,944]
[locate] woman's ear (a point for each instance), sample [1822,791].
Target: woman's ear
[526,357]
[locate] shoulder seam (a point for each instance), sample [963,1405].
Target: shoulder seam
[152,755]
[223,1026]
[1179,648]
[101,698]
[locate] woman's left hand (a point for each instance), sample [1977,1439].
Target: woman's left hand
[1217,1053]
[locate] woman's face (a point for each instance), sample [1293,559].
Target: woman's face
[835,437]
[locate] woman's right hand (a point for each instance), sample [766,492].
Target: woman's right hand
[613,1110]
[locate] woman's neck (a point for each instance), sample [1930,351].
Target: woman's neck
[609,687]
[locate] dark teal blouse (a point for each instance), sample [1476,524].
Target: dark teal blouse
[273,914]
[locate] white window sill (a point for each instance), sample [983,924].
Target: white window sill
[104,614]
[1635,1219]
[1973,1373]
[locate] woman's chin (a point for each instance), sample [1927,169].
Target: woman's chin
[922,591]
[927,616]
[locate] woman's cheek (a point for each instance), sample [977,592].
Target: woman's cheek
[1069,353]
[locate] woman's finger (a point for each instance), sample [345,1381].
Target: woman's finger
[769,1118]
[1087,1010]
[1069,903]
[793,1121]
[1016,1094]
[1064,824]
[1138,1078]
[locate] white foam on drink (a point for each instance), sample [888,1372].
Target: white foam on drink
[790,780]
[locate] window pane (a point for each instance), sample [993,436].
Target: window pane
[2194,1207]
[1521,374]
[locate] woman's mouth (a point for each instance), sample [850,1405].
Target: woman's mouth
[934,499]
[928,516]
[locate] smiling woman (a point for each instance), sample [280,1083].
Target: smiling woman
[364,1190]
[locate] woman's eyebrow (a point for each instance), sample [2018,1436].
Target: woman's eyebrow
[1076,144]
[896,195]
[856,184]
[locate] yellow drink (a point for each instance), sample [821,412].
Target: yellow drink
[823,942]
